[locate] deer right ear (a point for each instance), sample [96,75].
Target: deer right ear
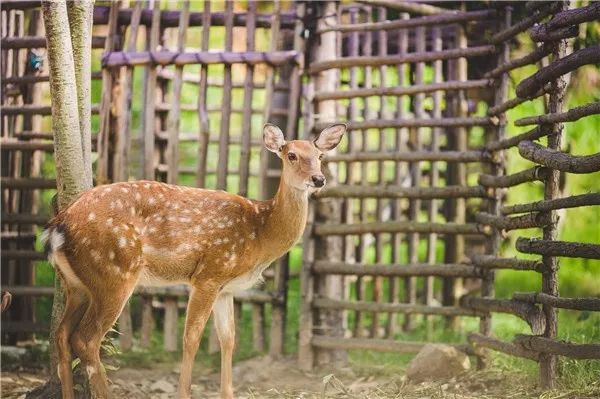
[273,138]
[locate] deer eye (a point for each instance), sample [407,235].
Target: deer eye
[292,156]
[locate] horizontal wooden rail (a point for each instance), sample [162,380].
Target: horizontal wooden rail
[557,68]
[168,18]
[28,109]
[20,145]
[558,248]
[514,102]
[531,58]
[567,349]
[559,34]
[398,227]
[437,20]
[252,295]
[354,191]
[524,24]
[506,223]
[565,19]
[27,183]
[406,6]
[404,308]
[410,156]
[26,79]
[29,42]
[22,254]
[171,18]
[402,90]
[533,134]
[400,123]
[24,218]
[347,62]
[379,345]
[591,304]
[571,115]
[119,58]
[501,346]
[537,173]
[575,201]
[493,262]
[395,270]
[559,160]
[532,314]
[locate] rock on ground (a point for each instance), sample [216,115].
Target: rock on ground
[437,361]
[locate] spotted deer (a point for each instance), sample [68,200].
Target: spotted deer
[115,236]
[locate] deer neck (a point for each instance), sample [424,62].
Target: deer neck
[285,220]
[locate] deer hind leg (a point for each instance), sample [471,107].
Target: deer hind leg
[75,305]
[103,311]
[223,316]
[200,304]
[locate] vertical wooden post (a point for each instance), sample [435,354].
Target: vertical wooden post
[306,352]
[204,132]
[496,169]
[414,206]
[456,175]
[226,104]
[548,362]
[174,113]
[380,204]
[149,115]
[147,322]
[361,282]
[258,327]
[170,326]
[434,176]
[330,248]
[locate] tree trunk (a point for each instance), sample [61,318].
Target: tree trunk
[73,171]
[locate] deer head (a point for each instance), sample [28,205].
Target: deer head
[302,158]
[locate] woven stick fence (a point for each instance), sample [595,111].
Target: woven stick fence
[409,229]
[401,191]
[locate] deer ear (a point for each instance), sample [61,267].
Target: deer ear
[330,137]
[273,138]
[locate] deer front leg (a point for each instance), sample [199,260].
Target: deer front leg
[225,323]
[200,304]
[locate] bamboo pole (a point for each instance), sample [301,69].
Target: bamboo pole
[173,120]
[346,62]
[247,108]
[226,103]
[403,90]
[430,20]
[149,117]
[395,270]
[204,131]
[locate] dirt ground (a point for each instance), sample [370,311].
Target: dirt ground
[265,378]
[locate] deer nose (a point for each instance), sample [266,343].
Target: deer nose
[318,180]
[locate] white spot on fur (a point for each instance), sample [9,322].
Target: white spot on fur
[123,189]
[91,216]
[151,200]
[109,221]
[111,255]
[138,196]
[95,255]
[122,242]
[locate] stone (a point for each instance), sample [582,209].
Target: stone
[163,386]
[437,362]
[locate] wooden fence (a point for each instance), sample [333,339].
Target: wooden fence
[415,223]
[414,215]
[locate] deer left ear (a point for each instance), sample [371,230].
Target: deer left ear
[273,138]
[330,137]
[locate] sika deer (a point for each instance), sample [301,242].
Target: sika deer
[114,236]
